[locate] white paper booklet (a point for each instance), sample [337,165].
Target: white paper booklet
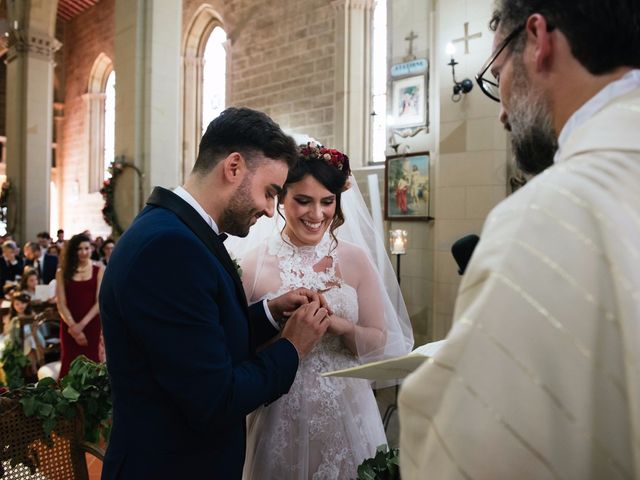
[42,293]
[391,369]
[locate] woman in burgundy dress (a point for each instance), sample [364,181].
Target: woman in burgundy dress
[77,285]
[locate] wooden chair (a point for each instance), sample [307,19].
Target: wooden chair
[21,438]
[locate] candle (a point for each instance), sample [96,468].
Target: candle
[398,242]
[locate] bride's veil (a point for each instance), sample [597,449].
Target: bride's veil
[359,230]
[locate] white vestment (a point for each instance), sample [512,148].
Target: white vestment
[540,375]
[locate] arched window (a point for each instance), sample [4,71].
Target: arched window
[205,89]
[379,83]
[213,77]
[100,120]
[109,124]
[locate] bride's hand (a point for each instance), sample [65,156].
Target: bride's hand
[287,303]
[339,326]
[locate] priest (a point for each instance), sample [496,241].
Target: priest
[540,374]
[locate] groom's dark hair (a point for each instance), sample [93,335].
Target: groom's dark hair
[248,132]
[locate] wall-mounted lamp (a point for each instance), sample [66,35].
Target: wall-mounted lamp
[465,85]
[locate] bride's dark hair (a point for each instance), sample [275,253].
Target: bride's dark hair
[329,167]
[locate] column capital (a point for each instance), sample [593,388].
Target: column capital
[21,42]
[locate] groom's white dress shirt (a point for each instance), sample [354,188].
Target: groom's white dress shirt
[187,197]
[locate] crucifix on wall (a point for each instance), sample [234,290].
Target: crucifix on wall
[410,38]
[467,37]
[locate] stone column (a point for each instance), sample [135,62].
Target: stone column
[147,64]
[30,62]
[192,118]
[56,170]
[353,77]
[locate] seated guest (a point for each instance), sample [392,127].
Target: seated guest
[96,248]
[32,341]
[28,285]
[44,240]
[54,250]
[29,281]
[107,248]
[10,266]
[45,264]
[60,238]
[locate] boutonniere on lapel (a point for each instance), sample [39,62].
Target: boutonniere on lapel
[236,264]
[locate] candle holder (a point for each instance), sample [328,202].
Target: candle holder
[398,247]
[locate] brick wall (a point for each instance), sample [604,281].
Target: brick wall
[282,60]
[84,38]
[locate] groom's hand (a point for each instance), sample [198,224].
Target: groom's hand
[283,306]
[306,326]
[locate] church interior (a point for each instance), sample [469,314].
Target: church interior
[527,364]
[101,100]
[87,82]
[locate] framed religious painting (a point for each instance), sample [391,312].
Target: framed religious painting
[406,187]
[409,102]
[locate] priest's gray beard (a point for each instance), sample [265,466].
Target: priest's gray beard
[533,139]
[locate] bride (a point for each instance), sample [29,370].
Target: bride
[325,427]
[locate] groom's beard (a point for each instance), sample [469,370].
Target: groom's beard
[533,139]
[236,218]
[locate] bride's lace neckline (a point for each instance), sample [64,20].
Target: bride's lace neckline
[296,264]
[284,247]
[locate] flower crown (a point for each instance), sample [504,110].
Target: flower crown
[331,156]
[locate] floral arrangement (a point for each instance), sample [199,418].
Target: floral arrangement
[5,190]
[108,192]
[335,158]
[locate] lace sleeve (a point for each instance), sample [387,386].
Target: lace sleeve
[260,274]
[384,327]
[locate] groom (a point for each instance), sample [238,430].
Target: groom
[182,345]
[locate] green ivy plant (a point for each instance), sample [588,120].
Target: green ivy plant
[13,360]
[85,388]
[87,384]
[384,466]
[84,391]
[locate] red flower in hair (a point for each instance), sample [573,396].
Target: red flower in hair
[335,158]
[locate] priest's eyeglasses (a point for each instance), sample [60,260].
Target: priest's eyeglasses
[491,88]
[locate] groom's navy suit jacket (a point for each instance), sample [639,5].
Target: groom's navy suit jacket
[181,350]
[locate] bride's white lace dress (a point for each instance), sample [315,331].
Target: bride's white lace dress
[324,427]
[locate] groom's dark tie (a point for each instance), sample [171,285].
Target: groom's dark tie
[222,236]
